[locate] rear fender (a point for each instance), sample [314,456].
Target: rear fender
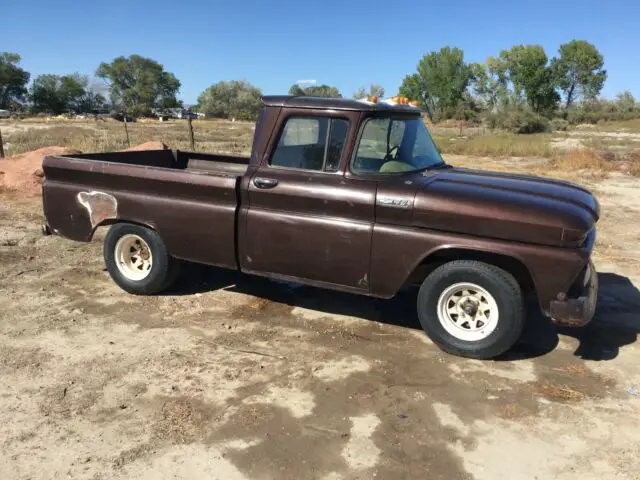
[76,213]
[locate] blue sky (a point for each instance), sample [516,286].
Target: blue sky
[345,43]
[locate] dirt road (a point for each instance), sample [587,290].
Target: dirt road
[231,377]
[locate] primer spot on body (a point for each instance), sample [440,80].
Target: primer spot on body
[99,205]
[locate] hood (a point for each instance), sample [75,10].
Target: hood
[506,206]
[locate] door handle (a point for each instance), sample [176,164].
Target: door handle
[262,182]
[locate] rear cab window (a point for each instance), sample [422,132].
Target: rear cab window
[311,143]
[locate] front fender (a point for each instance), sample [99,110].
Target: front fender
[398,251]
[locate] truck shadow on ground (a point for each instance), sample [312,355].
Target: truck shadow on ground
[616,323]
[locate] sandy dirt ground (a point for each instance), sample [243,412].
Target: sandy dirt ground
[231,377]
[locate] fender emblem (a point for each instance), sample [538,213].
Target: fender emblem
[394,202]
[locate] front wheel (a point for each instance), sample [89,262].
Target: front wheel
[137,259]
[471,309]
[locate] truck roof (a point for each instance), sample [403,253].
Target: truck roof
[335,103]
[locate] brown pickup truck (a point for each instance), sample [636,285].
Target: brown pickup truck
[348,195]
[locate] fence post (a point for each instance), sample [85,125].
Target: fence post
[126,131]
[191,139]
[1,146]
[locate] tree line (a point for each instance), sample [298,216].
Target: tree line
[135,85]
[520,82]
[520,89]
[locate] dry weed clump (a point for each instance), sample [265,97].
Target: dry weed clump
[597,162]
[634,163]
[583,160]
[559,393]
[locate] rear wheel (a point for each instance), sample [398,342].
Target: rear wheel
[471,309]
[137,259]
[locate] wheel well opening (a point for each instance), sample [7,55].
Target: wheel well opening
[101,229]
[512,265]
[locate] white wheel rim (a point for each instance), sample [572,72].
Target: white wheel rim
[467,311]
[133,257]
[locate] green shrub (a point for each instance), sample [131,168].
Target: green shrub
[624,107]
[559,125]
[519,120]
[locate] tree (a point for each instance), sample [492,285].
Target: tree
[13,80]
[235,99]
[490,83]
[625,101]
[89,99]
[375,90]
[415,88]
[440,82]
[578,71]
[531,76]
[57,94]
[138,84]
[315,91]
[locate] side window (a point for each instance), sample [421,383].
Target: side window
[302,131]
[311,143]
[380,138]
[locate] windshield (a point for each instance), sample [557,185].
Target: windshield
[392,145]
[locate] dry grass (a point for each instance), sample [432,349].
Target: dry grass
[498,145]
[103,136]
[573,369]
[582,160]
[634,163]
[616,126]
[617,144]
[559,393]
[236,137]
[598,163]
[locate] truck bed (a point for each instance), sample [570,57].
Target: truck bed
[194,162]
[191,199]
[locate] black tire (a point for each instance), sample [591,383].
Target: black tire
[164,268]
[501,285]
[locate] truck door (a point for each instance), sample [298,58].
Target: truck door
[305,219]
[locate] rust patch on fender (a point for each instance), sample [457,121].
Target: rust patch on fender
[99,205]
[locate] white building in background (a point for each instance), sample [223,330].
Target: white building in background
[5,114]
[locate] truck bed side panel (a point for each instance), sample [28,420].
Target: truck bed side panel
[194,213]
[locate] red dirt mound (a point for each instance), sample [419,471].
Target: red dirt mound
[23,173]
[148,146]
